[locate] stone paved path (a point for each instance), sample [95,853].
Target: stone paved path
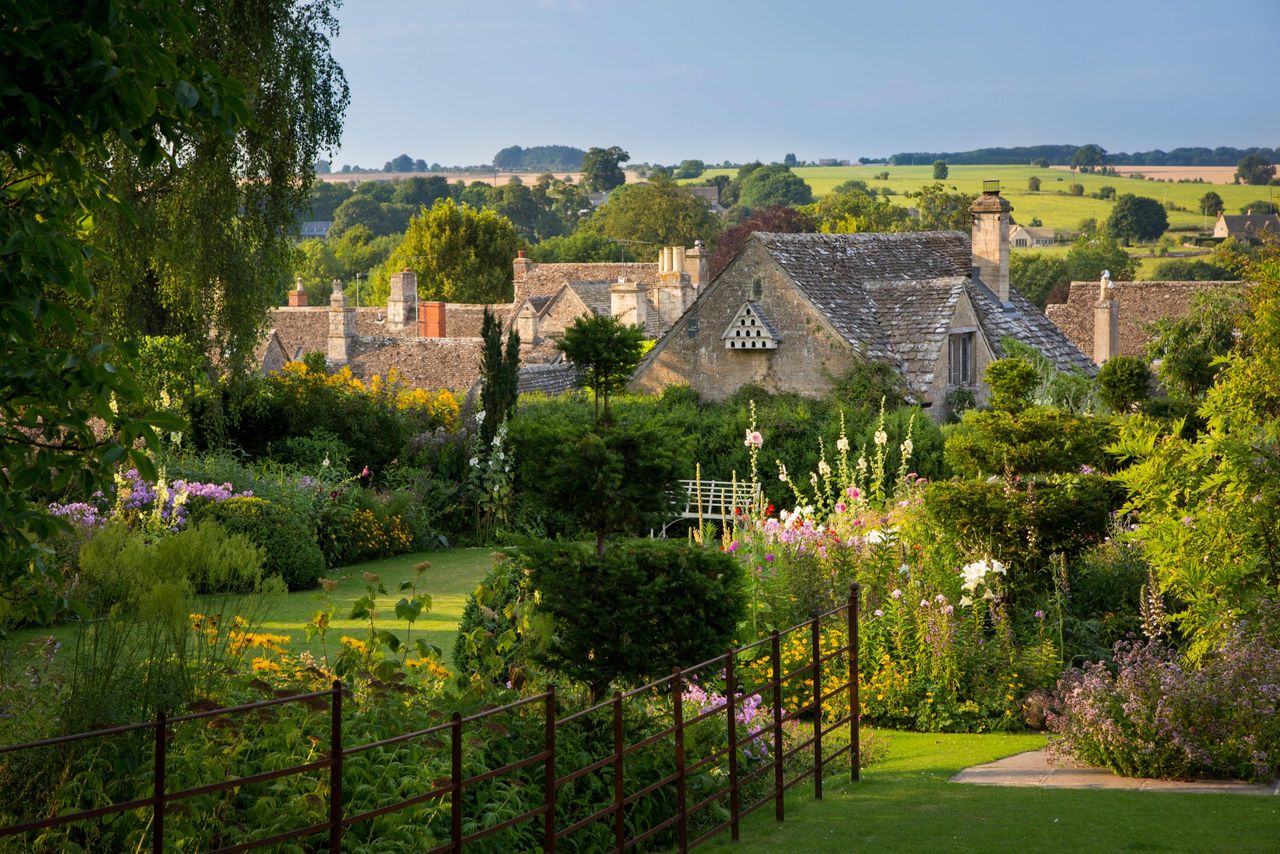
[1035,769]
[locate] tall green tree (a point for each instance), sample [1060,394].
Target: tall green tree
[605,352]
[1137,218]
[1089,157]
[1188,349]
[1211,204]
[499,374]
[206,249]
[773,185]
[1089,256]
[1037,275]
[659,213]
[940,170]
[79,85]
[459,253]
[1254,169]
[602,168]
[943,211]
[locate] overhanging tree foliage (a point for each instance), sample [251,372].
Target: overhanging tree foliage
[203,247]
[126,79]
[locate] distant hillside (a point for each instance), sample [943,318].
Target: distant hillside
[539,158]
[1060,155]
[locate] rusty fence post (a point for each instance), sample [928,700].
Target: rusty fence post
[335,768]
[549,778]
[816,631]
[158,784]
[455,782]
[775,654]
[677,696]
[619,783]
[855,709]
[731,701]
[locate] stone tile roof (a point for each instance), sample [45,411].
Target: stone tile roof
[1138,304]
[886,295]
[594,295]
[832,271]
[547,379]
[1024,322]
[916,318]
[427,363]
[465,320]
[1251,225]
[547,279]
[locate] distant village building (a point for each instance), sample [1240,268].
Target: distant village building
[792,311]
[1113,319]
[434,345]
[1250,227]
[1028,236]
[315,229]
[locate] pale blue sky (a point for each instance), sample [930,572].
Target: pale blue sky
[453,81]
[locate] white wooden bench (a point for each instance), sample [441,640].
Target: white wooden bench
[712,500]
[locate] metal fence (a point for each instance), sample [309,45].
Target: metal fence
[813,711]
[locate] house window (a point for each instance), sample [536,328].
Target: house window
[961,355]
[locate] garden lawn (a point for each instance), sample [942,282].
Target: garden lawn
[451,578]
[904,803]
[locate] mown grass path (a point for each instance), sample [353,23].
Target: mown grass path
[904,803]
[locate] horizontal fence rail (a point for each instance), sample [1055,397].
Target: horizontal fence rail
[766,739]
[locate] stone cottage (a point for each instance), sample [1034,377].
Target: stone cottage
[792,311]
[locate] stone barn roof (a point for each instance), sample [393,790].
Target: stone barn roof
[1138,304]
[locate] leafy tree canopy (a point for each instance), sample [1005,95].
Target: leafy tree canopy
[1089,256]
[460,255]
[605,352]
[1188,347]
[1211,204]
[205,249]
[1254,169]
[602,168]
[1038,276]
[659,213]
[1137,218]
[773,185]
[778,219]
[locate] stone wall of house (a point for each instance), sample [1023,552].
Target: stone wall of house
[1138,304]
[694,353]
[561,314]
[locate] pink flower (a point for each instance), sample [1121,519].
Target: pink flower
[753,439]
[840,507]
[364,472]
[896,594]
[733,546]
[853,492]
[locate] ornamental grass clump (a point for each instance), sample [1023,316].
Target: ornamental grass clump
[1153,715]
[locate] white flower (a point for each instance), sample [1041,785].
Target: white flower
[479,417]
[998,568]
[824,469]
[782,472]
[876,537]
[989,594]
[325,464]
[966,601]
[903,569]
[475,462]
[862,465]
[881,437]
[842,445]
[907,447]
[974,574]
[896,594]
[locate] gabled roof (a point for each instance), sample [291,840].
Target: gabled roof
[548,379]
[1251,225]
[886,294]
[594,295]
[547,279]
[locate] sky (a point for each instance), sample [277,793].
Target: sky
[454,81]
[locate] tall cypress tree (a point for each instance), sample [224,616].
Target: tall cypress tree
[499,372]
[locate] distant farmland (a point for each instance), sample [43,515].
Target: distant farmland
[1051,205]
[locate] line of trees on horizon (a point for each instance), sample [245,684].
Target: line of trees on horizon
[1063,155]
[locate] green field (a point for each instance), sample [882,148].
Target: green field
[1054,208]
[904,803]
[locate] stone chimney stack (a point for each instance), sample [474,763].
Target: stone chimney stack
[527,325]
[626,302]
[1106,321]
[991,239]
[697,263]
[402,302]
[521,268]
[431,319]
[298,296]
[674,291]
[342,327]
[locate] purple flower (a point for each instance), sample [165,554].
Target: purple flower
[1039,615]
